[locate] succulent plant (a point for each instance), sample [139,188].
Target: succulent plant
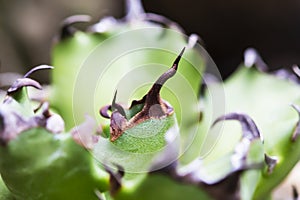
[181,137]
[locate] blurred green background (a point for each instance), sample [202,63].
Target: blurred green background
[227,28]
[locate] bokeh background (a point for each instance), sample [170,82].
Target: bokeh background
[226,27]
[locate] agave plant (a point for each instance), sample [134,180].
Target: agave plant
[181,136]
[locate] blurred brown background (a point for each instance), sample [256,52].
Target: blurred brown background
[226,27]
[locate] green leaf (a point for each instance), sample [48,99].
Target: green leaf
[41,165]
[267,100]
[159,186]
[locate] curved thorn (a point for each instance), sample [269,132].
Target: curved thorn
[23,82]
[67,30]
[104,111]
[41,67]
[153,94]
[271,163]
[249,128]
[296,132]
[252,58]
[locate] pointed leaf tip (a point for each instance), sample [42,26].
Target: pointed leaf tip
[252,58]
[23,82]
[153,96]
[37,68]
[154,91]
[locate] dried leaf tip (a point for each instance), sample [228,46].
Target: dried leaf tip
[37,68]
[25,81]
[154,91]
[249,127]
[152,106]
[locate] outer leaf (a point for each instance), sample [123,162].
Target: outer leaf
[38,163]
[267,99]
[126,55]
[159,186]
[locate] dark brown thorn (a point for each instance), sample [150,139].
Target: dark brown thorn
[296,132]
[249,128]
[271,163]
[295,193]
[117,107]
[67,30]
[104,111]
[23,82]
[153,95]
[41,67]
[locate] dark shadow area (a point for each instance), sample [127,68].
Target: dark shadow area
[227,28]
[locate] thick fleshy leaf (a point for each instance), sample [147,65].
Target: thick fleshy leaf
[139,134]
[127,55]
[41,165]
[38,161]
[267,100]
